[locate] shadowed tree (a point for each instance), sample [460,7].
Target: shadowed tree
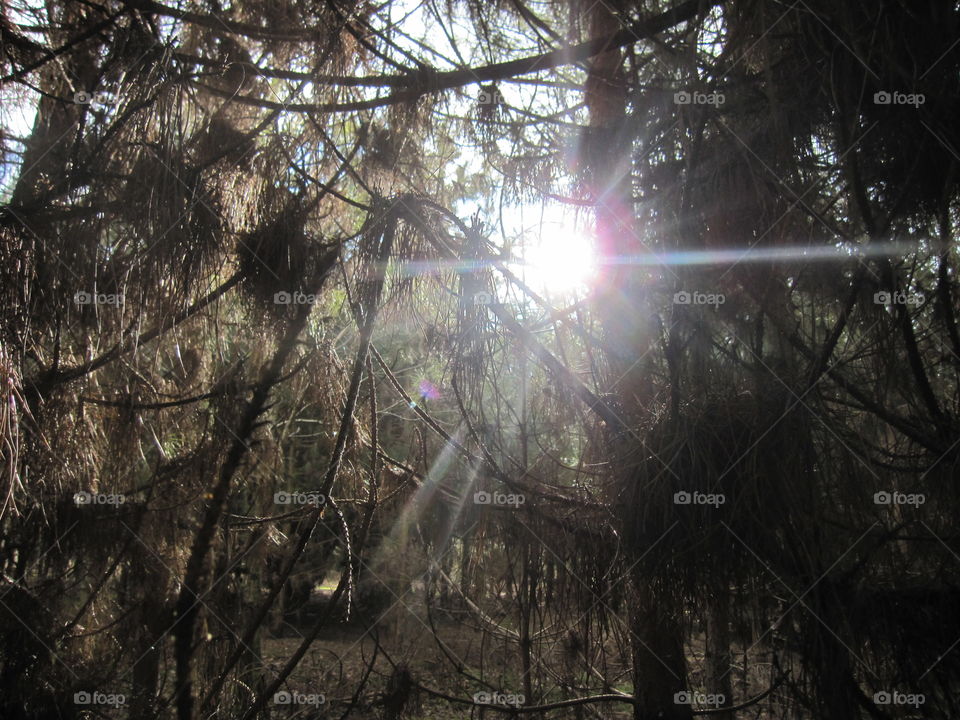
[273,326]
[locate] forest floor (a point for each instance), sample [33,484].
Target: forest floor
[338,663]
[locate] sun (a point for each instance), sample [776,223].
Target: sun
[558,256]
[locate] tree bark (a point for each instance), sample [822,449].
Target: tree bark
[718,659]
[659,665]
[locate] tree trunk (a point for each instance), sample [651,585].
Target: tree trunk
[659,665]
[46,156]
[527,597]
[718,659]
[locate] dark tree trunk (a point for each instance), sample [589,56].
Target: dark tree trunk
[659,664]
[718,659]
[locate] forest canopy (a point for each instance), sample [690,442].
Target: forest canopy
[419,359]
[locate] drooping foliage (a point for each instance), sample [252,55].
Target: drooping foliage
[289,428]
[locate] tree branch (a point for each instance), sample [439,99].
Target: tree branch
[430,80]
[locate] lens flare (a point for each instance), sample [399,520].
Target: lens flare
[559,258]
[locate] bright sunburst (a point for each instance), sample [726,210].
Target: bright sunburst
[559,256]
